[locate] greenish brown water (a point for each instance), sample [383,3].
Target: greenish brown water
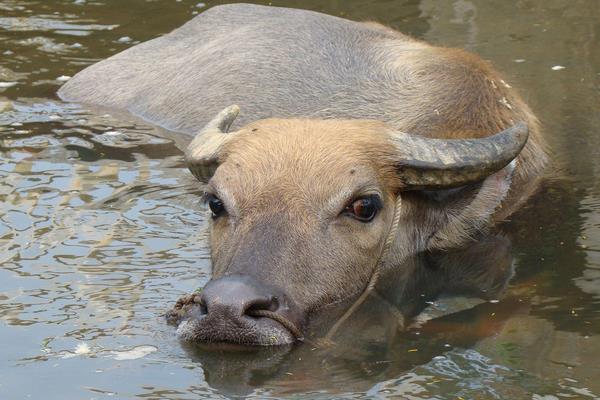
[101,229]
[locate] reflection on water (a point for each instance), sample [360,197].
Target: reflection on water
[101,230]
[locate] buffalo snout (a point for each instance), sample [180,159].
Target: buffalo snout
[238,309]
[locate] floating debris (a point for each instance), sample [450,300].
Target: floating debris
[82,348]
[124,39]
[519,60]
[63,78]
[558,68]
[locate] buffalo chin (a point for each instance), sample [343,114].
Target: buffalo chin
[248,331]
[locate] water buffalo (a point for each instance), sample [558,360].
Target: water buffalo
[356,148]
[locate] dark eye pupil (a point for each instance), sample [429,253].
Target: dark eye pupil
[363,209]
[216,206]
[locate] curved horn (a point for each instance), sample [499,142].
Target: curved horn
[424,163]
[202,154]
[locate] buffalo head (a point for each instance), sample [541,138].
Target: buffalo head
[301,210]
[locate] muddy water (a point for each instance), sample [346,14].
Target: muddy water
[101,229]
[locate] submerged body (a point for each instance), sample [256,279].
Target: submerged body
[289,193]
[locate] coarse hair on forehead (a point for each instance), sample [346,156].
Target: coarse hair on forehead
[315,152]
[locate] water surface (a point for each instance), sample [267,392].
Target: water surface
[101,228]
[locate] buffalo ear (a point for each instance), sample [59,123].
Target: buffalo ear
[463,182]
[467,214]
[202,154]
[429,164]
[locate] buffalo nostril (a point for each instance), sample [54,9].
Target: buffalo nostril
[241,302]
[203,307]
[270,304]
[267,308]
[201,304]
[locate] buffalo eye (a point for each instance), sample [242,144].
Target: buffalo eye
[364,209]
[215,204]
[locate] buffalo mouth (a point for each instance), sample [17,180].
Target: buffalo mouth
[226,327]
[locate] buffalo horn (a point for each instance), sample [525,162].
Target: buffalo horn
[202,154]
[427,164]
